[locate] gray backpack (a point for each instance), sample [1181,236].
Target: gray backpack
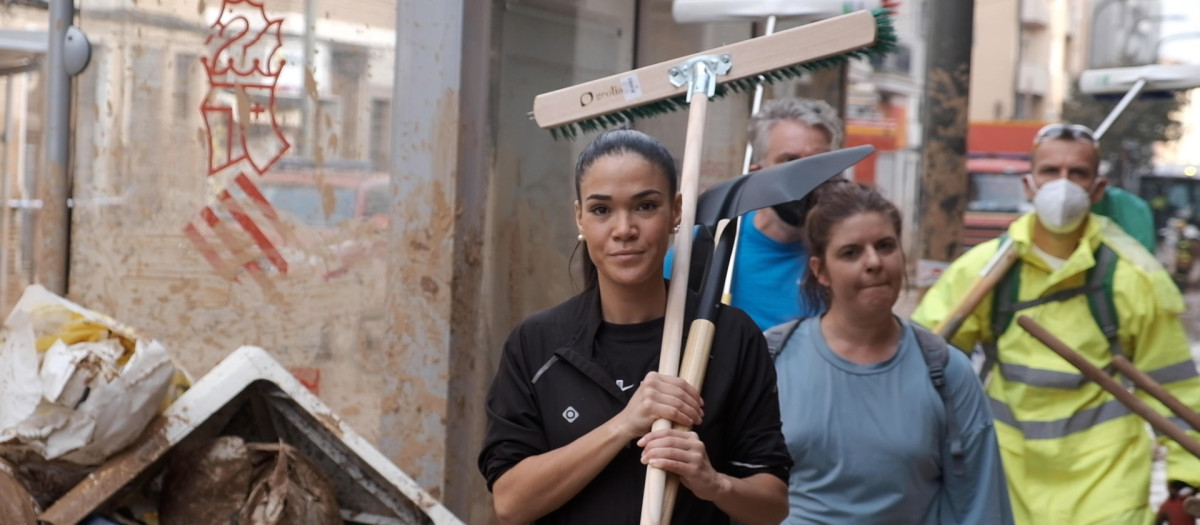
[936,352]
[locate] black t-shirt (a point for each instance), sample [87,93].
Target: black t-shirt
[629,351]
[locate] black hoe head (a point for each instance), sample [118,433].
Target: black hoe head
[787,182]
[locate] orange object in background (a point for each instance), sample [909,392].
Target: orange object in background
[887,134]
[997,158]
[875,134]
[1002,137]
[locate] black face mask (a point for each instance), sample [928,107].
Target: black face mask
[794,212]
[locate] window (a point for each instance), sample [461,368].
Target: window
[304,201]
[898,62]
[380,134]
[377,202]
[996,192]
[185,65]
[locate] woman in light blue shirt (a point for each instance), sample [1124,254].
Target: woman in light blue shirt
[868,430]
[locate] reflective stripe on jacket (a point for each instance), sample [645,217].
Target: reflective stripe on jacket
[1072,453]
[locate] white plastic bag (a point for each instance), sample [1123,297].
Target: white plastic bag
[81,402]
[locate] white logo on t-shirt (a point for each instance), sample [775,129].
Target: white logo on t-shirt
[621,384]
[570,414]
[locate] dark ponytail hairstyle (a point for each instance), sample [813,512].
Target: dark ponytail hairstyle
[620,142]
[836,201]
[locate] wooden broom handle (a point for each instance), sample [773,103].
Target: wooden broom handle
[1147,383]
[995,270]
[695,365]
[1126,397]
[668,362]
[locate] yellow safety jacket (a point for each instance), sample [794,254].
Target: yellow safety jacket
[1073,453]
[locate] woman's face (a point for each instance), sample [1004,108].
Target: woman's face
[626,214]
[863,265]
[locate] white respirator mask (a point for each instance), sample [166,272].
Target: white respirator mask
[1060,205]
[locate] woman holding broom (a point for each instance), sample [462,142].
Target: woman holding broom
[570,409]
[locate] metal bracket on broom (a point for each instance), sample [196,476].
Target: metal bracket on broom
[700,74]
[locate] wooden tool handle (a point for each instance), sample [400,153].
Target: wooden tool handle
[997,267]
[695,357]
[1097,375]
[668,362]
[1147,383]
[695,365]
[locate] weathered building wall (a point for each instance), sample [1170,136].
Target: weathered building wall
[141,176]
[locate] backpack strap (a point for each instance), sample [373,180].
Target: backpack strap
[936,352]
[1004,295]
[777,336]
[1100,296]
[1098,289]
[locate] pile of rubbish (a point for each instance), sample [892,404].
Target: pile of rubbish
[98,425]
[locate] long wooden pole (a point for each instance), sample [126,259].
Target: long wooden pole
[700,336]
[1147,383]
[668,362]
[991,274]
[1101,378]
[695,364]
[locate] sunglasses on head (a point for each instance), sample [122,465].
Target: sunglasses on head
[1065,131]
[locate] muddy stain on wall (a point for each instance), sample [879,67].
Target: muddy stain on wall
[421,260]
[131,260]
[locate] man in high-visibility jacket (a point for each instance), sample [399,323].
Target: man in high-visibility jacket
[1071,451]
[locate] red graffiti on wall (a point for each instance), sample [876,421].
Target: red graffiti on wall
[243,77]
[239,229]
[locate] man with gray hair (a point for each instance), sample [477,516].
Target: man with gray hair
[771,256]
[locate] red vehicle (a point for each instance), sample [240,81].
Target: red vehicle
[302,194]
[341,216]
[998,156]
[995,197]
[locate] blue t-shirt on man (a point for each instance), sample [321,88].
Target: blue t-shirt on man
[766,276]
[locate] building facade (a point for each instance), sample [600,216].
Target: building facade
[1026,55]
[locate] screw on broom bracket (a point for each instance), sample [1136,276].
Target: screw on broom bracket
[701,73]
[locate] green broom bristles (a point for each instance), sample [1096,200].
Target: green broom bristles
[885,43]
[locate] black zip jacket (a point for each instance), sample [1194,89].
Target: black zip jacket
[550,390]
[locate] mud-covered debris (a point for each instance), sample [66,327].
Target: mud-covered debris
[229,480]
[207,485]
[16,505]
